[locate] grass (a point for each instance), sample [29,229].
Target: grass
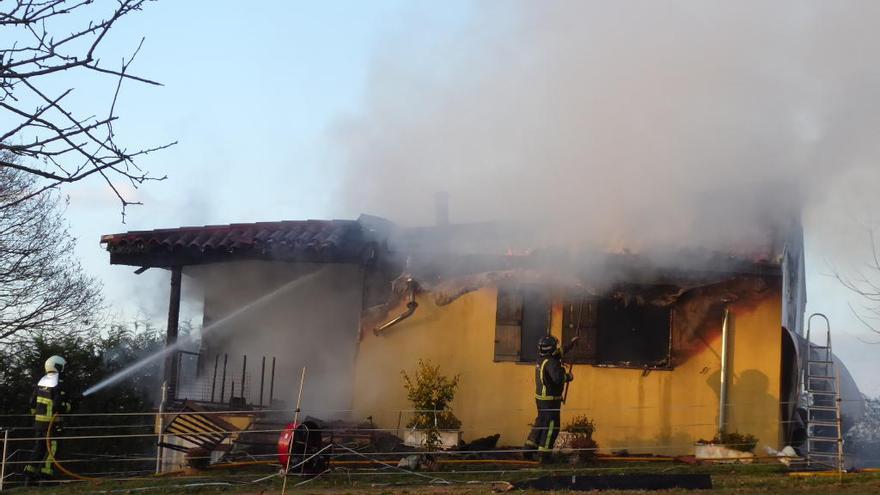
[728,479]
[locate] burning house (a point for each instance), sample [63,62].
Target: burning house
[673,347]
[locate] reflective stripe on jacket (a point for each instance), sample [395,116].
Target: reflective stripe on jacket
[49,399]
[549,378]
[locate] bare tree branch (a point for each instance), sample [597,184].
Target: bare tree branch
[866,285]
[51,140]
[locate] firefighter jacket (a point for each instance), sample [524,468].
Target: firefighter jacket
[49,399]
[550,377]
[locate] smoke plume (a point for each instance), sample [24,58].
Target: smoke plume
[621,123]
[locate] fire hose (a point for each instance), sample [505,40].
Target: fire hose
[81,477]
[55,460]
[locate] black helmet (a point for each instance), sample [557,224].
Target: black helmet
[547,345]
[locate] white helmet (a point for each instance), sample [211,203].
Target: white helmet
[55,364]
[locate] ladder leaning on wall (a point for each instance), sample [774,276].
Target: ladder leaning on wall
[824,449]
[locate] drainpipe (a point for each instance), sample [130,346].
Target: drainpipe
[410,309]
[725,364]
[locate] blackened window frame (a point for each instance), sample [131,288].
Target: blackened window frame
[588,350]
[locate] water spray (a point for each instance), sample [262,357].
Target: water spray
[180,343]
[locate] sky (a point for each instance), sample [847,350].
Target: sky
[256,99]
[249,95]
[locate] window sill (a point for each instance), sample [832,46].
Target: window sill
[633,367]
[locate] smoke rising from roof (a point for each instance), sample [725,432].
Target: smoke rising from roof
[621,123]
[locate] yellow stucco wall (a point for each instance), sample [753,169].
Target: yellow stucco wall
[662,412]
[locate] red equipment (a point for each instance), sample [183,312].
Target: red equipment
[300,444]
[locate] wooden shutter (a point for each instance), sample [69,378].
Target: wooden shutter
[579,319]
[508,324]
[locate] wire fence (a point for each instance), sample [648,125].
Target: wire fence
[124,446]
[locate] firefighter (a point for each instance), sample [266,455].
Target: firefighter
[49,399]
[550,380]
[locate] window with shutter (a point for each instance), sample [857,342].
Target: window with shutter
[522,317]
[508,324]
[579,319]
[535,321]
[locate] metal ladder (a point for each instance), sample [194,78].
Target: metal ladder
[822,387]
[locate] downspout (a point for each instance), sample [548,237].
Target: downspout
[725,364]
[411,306]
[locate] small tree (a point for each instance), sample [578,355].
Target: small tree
[430,394]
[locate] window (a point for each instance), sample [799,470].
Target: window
[615,333]
[522,317]
[508,325]
[636,335]
[579,320]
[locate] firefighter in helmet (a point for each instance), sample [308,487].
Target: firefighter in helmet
[49,399]
[550,380]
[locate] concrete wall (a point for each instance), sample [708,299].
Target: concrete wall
[302,314]
[662,411]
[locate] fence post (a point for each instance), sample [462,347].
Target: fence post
[3,461]
[160,427]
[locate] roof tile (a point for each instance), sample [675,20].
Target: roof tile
[327,239]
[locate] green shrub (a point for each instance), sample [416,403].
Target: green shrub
[430,394]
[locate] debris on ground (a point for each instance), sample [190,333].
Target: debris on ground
[787,455]
[419,462]
[478,448]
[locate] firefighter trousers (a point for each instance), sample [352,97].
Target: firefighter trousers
[546,426]
[42,455]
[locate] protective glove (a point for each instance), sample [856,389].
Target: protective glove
[569,377]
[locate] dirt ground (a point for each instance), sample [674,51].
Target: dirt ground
[758,479]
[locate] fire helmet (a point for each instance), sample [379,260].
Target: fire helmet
[55,364]
[547,345]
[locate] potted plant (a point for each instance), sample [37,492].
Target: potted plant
[727,447]
[433,424]
[577,437]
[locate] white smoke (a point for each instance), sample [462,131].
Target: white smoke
[621,122]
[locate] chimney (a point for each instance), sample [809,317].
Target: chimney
[441,208]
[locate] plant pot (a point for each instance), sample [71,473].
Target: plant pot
[448,439]
[721,454]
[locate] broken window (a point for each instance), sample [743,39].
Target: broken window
[522,317]
[613,332]
[632,334]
